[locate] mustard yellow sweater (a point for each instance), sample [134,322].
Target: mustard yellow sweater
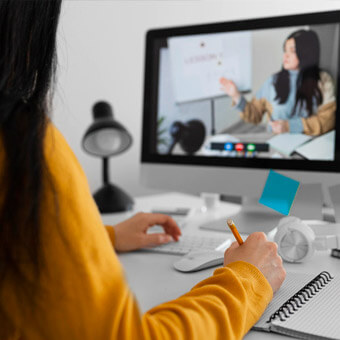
[84,294]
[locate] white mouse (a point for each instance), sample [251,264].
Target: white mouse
[199,259]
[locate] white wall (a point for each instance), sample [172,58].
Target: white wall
[101,57]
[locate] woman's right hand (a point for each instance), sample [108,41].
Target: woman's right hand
[261,253]
[229,87]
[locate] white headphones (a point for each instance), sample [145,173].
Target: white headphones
[297,241]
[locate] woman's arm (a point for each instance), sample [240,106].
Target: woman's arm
[253,111]
[224,306]
[250,112]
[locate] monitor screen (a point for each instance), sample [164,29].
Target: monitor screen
[254,93]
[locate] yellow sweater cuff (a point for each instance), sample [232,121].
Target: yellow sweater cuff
[111,231]
[260,284]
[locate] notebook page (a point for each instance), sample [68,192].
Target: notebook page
[292,284]
[318,318]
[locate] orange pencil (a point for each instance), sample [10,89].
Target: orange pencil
[233,229]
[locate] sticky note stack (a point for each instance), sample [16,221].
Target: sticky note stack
[279,192]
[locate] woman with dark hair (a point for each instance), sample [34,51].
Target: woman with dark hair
[60,277]
[298,99]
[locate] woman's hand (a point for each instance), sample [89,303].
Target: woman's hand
[132,234]
[261,253]
[279,126]
[229,87]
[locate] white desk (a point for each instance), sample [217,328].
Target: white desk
[152,277]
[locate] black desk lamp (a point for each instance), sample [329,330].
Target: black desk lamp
[104,138]
[189,135]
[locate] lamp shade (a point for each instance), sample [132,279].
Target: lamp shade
[105,136]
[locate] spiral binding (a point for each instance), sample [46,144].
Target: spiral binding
[301,297]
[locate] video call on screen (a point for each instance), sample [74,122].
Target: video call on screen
[268,93]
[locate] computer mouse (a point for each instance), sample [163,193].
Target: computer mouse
[199,259]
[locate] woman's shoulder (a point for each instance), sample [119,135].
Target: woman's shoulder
[61,160]
[266,89]
[271,79]
[56,145]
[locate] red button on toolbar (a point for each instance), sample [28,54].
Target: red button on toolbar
[239,147]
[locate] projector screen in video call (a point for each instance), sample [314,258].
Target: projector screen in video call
[266,93]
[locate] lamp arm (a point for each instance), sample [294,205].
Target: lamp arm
[105,170]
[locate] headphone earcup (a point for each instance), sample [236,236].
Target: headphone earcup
[294,239]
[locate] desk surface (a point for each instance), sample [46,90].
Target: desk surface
[140,267]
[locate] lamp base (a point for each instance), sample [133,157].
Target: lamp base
[111,199]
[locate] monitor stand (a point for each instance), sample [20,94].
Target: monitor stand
[254,216]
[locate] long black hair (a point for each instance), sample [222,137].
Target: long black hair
[27,68]
[307,47]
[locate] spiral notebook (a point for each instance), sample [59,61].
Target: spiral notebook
[306,307]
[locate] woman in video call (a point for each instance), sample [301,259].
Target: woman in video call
[299,98]
[60,276]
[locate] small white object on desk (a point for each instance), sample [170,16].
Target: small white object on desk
[211,201]
[198,260]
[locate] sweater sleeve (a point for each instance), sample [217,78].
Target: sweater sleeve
[83,293]
[224,306]
[253,111]
[324,120]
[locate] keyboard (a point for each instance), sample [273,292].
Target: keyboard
[187,243]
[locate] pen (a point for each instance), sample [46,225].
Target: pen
[233,229]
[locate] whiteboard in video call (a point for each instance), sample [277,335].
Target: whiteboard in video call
[199,61]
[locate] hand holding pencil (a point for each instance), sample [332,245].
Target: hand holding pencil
[258,251]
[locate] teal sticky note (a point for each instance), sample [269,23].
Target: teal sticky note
[279,192]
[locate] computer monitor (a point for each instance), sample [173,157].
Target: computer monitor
[226,102]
